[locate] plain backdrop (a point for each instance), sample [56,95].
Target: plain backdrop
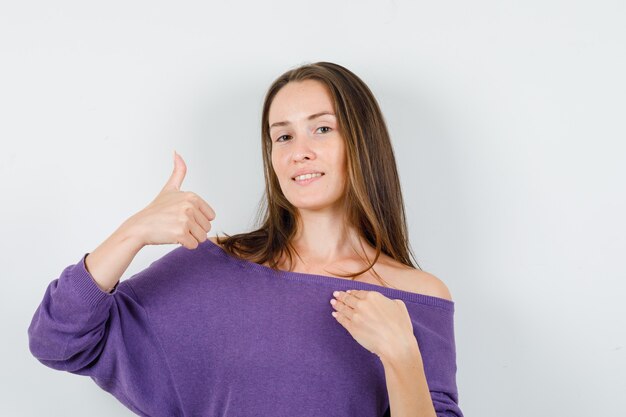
[506,118]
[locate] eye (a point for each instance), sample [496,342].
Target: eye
[278,139]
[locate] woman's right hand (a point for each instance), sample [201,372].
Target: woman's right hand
[174,216]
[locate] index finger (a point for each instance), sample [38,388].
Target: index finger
[206,209]
[357,293]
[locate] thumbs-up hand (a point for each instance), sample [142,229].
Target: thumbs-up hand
[174,216]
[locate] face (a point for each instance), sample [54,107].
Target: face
[304,140]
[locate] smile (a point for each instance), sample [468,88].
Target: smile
[307,179]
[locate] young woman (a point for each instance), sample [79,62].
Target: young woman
[317,312]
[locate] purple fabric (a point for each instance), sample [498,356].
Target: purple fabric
[201,333]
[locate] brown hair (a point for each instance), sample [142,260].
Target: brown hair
[373,198]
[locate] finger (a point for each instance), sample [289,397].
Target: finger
[357,293]
[401,304]
[188,241]
[343,320]
[342,307]
[347,298]
[201,219]
[178,175]
[197,232]
[204,207]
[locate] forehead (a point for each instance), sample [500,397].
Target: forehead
[299,99]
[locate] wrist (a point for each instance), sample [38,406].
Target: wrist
[129,233]
[402,353]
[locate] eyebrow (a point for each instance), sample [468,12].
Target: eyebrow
[311,117]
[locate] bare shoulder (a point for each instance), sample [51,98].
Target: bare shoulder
[422,282]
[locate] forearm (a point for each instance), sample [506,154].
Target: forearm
[407,387]
[108,262]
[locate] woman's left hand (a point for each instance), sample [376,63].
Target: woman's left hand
[379,324]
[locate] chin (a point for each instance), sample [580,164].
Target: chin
[312,204]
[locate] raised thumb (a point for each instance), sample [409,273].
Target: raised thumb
[178,175]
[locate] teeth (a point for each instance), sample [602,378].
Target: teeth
[307,176]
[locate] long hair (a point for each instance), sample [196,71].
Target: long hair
[373,199]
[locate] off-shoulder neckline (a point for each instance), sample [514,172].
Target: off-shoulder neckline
[340,284]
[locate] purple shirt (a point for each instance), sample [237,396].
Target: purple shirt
[202,333]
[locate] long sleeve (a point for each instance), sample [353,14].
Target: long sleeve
[434,330]
[443,389]
[83,330]
[446,404]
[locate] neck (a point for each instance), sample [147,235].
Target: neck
[324,239]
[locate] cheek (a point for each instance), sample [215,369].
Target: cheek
[278,168]
[344,170]
[275,162]
[342,161]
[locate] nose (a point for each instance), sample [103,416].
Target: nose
[302,147]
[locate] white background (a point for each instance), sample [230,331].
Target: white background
[507,121]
